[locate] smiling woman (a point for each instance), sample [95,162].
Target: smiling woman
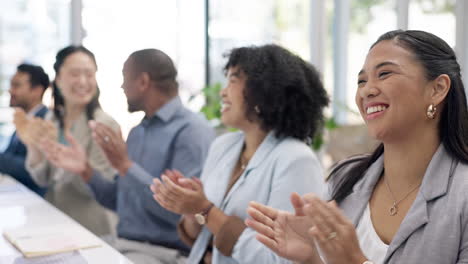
[76,101]
[396,204]
[393,93]
[276,100]
[75,85]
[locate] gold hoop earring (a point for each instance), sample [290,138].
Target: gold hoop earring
[431,111]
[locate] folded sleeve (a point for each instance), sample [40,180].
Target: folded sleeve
[184,237]
[228,235]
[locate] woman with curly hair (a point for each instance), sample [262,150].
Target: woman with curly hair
[276,100]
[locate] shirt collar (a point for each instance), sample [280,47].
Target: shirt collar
[35,109]
[168,110]
[267,145]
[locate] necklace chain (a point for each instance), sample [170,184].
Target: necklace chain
[394,208]
[243,161]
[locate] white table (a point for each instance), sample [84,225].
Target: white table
[20,207]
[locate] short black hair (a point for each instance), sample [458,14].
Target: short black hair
[159,67]
[37,75]
[282,90]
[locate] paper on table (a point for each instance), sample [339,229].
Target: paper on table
[42,241]
[68,258]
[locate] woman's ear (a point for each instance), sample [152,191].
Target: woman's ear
[440,89]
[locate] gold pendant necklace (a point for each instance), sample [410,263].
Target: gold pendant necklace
[243,166]
[243,161]
[394,208]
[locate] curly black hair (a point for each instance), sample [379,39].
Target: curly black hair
[282,91]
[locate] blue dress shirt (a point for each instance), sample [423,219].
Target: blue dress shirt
[174,138]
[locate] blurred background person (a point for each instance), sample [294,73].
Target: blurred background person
[169,137]
[76,101]
[27,88]
[276,100]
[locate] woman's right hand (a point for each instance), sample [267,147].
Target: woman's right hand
[32,131]
[21,123]
[175,195]
[283,232]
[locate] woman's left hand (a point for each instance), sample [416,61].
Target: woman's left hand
[333,233]
[71,158]
[283,232]
[186,196]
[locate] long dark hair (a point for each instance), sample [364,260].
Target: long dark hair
[59,101]
[437,58]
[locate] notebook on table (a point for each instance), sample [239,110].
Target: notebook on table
[43,241]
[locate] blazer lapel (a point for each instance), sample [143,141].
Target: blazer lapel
[227,166]
[354,205]
[261,154]
[268,144]
[416,217]
[434,185]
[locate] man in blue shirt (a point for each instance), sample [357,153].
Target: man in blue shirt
[169,137]
[27,87]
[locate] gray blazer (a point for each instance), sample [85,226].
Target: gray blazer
[435,228]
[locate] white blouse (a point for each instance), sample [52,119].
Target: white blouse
[371,244]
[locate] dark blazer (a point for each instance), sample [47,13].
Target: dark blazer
[13,159]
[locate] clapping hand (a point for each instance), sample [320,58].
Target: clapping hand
[283,232]
[113,145]
[21,123]
[333,233]
[71,158]
[179,194]
[316,227]
[32,130]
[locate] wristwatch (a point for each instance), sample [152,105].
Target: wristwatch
[202,216]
